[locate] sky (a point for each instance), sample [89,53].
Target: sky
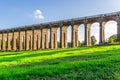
[15,13]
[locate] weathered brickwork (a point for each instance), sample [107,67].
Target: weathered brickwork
[35,37]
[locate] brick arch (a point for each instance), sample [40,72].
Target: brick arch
[102,25]
[75,22]
[107,19]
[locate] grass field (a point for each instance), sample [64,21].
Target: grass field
[86,63]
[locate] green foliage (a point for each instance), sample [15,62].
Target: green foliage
[80,44]
[93,40]
[84,63]
[112,39]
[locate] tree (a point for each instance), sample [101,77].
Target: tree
[93,40]
[112,39]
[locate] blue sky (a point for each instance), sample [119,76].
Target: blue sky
[15,13]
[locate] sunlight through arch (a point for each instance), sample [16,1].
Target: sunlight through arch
[81,33]
[110,29]
[49,38]
[58,37]
[95,31]
[69,36]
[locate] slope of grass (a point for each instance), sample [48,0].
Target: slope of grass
[86,63]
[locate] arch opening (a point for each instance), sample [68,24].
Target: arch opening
[49,45]
[81,35]
[69,36]
[17,43]
[29,40]
[58,37]
[23,42]
[95,33]
[110,31]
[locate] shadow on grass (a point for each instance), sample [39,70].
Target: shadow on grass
[88,66]
[83,57]
[43,53]
[11,53]
[87,56]
[89,70]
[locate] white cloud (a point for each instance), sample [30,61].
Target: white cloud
[38,14]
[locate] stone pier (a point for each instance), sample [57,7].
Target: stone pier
[63,36]
[44,38]
[53,37]
[75,35]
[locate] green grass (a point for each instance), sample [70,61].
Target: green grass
[86,63]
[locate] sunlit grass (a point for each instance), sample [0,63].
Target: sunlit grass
[98,62]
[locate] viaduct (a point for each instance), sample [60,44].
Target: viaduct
[35,37]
